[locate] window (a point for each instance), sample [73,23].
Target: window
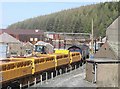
[31,39]
[39,48]
[35,39]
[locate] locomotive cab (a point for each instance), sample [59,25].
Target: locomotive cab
[41,49]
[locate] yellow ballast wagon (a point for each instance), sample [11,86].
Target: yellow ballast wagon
[75,57]
[12,69]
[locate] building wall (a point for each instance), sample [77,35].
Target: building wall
[3,50]
[24,35]
[89,72]
[18,49]
[26,38]
[112,31]
[112,34]
[14,49]
[107,75]
[27,47]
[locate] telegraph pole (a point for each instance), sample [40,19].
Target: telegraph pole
[92,44]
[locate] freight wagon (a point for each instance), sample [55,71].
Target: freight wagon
[13,71]
[23,71]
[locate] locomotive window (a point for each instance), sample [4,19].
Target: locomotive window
[39,48]
[77,50]
[74,50]
[77,54]
[73,54]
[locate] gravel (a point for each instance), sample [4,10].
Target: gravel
[74,78]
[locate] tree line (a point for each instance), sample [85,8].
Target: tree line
[75,19]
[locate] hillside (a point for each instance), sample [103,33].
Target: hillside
[74,20]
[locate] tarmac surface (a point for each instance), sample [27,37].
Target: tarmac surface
[74,78]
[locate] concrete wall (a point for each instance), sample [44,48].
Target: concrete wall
[119,75]
[112,34]
[112,31]
[89,72]
[107,75]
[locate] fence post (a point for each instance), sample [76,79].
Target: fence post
[46,76]
[41,79]
[66,70]
[75,66]
[20,86]
[28,84]
[56,72]
[52,75]
[35,81]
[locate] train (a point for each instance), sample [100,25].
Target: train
[83,49]
[18,72]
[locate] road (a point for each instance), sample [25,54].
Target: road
[74,78]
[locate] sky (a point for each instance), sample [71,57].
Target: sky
[12,11]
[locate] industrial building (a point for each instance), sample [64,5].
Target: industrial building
[25,35]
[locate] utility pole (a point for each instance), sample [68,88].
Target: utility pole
[92,43]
